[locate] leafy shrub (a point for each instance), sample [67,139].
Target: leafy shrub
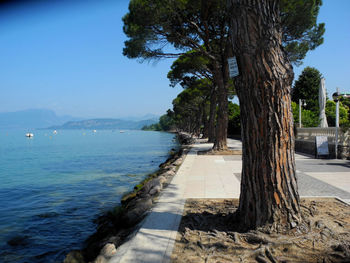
[308,118]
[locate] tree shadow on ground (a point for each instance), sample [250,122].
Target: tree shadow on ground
[347,164]
[209,232]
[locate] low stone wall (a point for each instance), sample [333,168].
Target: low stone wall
[309,147]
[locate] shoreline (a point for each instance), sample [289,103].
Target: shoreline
[116,226]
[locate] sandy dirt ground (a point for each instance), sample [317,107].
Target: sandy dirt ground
[208,233]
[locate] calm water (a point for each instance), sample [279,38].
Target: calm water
[53,186]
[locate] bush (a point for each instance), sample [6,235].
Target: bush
[234,119]
[343,114]
[308,118]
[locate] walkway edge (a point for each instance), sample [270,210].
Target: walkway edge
[161,223]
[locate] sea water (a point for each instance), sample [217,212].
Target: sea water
[53,186]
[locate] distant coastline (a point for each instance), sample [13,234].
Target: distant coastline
[104,124]
[48,119]
[32,119]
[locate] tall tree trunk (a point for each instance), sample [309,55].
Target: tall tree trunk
[205,121]
[212,115]
[198,121]
[269,193]
[220,143]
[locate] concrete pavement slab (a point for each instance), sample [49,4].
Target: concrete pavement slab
[199,176]
[340,180]
[213,176]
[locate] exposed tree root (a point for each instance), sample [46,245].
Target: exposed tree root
[220,152]
[209,233]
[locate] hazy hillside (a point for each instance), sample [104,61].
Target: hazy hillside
[105,124]
[141,118]
[42,118]
[33,118]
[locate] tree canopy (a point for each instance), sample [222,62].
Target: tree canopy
[186,25]
[191,106]
[200,25]
[189,67]
[166,123]
[306,87]
[301,32]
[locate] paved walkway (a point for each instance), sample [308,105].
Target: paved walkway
[323,177]
[203,176]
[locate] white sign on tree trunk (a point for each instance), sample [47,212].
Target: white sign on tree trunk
[233,67]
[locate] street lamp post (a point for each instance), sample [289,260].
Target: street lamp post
[336,96]
[301,103]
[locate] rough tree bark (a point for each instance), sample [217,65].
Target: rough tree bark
[205,124]
[198,121]
[212,116]
[269,194]
[220,142]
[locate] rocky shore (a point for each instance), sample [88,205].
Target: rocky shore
[116,226]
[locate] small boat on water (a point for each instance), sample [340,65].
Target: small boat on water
[122,131]
[29,135]
[54,132]
[94,131]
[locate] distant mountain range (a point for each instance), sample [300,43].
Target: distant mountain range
[105,124]
[42,118]
[33,118]
[140,118]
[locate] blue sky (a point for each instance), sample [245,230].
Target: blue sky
[67,56]
[332,58]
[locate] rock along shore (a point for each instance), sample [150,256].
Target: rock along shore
[117,226]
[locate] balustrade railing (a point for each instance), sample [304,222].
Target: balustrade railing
[310,133]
